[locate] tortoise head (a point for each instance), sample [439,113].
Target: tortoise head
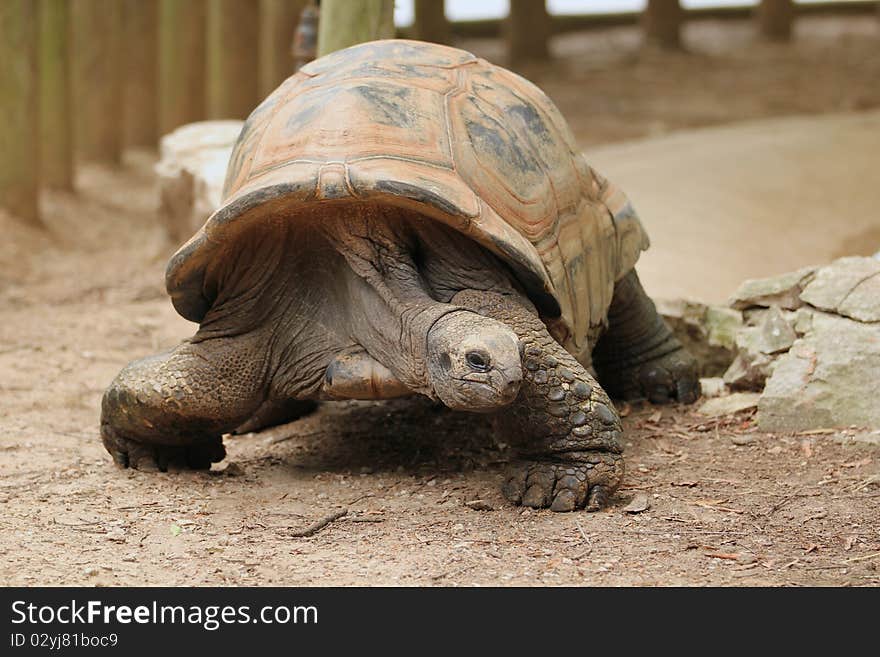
[474,362]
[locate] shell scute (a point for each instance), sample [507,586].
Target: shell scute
[451,136]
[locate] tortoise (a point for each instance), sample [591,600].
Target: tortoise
[404,218]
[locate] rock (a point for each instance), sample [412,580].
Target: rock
[783,291]
[713,387]
[191,171]
[848,287]
[232,469]
[861,437]
[749,372]
[638,504]
[776,334]
[752,364]
[803,321]
[735,403]
[708,332]
[827,379]
[742,440]
[479,505]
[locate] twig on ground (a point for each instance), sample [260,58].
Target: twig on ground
[781,503]
[865,557]
[317,526]
[440,576]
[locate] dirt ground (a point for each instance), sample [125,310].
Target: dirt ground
[721,504]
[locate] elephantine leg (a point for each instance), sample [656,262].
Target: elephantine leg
[563,424]
[638,357]
[170,411]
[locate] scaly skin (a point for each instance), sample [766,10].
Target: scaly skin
[563,424]
[169,411]
[639,357]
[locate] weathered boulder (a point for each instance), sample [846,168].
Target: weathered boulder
[708,332]
[191,171]
[729,404]
[768,333]
[827,379]
[812,340]
[783,291]
[848,287]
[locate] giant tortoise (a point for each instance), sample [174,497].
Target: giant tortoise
[402,217]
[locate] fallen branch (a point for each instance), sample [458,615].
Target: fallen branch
[315,527]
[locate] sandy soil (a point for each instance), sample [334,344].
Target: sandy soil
[727,504]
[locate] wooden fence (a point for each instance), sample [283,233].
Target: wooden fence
[87,79]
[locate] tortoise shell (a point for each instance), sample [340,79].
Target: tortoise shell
[457,139]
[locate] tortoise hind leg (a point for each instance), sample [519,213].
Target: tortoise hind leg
[170,411]
[638,357]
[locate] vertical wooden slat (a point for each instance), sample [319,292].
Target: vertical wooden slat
[430,21]
[56,109]
[278,21]
[661,23]
[347,22]
[19,108]
[775,18]
[528,29]
[181,62]
[233,58]
[141,19]
[98,64]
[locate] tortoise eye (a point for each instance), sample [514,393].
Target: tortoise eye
[478,360]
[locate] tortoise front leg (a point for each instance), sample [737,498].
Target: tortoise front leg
[563,424]
[170,411]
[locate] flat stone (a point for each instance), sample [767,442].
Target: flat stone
[729,405]
[191,172]
[826,380]
[639,503]
[713,387]
[783,291]
[849,287]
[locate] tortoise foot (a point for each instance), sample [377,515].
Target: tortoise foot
[150,457]
[585,481]
[671,377]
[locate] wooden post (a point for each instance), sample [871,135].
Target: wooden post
[775,19]
[528,29]
[661,23]
[430,21]
[278,21]
[233,58]
[56,110]
[344,23]
[19,108]
[141,20]
[97,81]
[181,63]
